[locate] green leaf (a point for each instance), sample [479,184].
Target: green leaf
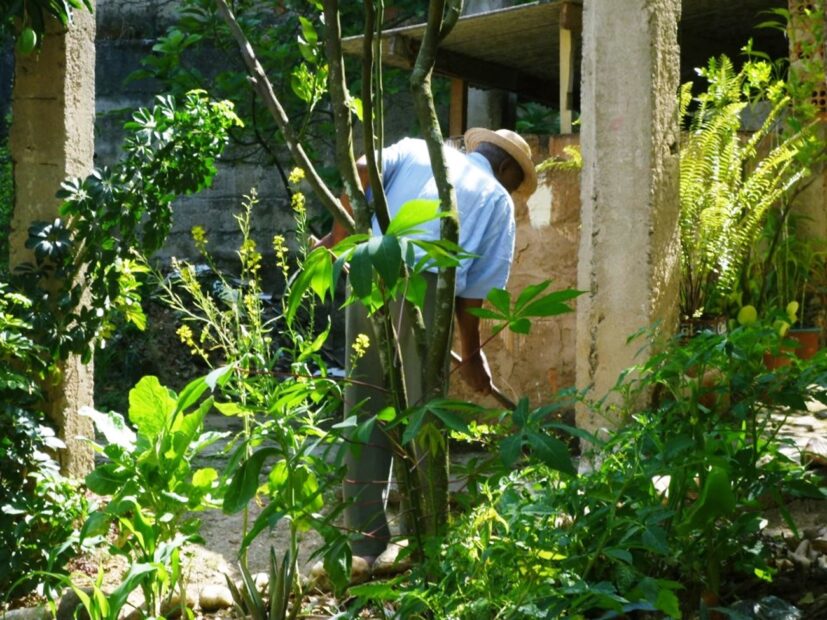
[337,562]
[551,304]
[112,426]
[552,452]
[137,574]
[244,483]
[361,273]
[529,293]
[388,414]
[150,407]
[510,450]
[217,377]
[501,300]
[520,326]
[416,289]
[417,416]
[668,603]
[191,393]
[204,477]
[386,256]
[106,479]
[412,214]
[268,517]
[449,419]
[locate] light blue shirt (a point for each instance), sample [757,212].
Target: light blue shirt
[486,211]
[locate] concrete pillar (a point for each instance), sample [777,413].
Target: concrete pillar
[807,64]
[629,254]
[52,137]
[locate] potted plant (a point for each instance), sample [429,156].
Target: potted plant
[728,182]
[788,281]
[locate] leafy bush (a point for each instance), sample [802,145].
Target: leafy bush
[673,504]
[40,509]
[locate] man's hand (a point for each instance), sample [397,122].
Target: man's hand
[474,368]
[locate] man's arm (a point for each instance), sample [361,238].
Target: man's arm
[474,366]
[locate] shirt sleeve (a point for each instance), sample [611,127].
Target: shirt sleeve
[493,264]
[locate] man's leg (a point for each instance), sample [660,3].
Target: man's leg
[367,471]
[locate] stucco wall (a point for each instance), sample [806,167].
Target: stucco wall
[537,364]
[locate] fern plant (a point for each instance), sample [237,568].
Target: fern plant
[729,180]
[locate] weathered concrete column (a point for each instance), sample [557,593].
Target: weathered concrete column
[629,255]
[52,137]
[808,55]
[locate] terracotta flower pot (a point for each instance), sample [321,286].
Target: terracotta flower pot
[808,342]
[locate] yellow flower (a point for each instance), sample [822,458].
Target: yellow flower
[250,258]
[296,176]
[297,201]
[199,236]
[360,346]
[280,248]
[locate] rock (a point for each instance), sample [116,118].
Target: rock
[815,451]
[803,548]
[359,573]
[27,613]
[820,544]
[389,563]
[215,597]
[172,608]
[70,605]
[802,561]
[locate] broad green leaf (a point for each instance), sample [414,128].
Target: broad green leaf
[412,214]
[416,288]
[450,419]
[668,603]
[232,409]
[417,416]
[218,377]
[501,300]
[529,293]
[486,313]
[112,426]
[191,393]
[204,477]
[386,256]
[321,271]
[520,326]
[361,272]
[96,525]
[244,483]
[388,414]
[552,452]
[551,304]
[150,407]
[510,450]
[106,479]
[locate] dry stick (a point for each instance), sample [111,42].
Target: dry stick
[264,88]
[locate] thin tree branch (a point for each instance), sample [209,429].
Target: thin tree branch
[265,89]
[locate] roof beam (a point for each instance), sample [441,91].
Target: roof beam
[480,73]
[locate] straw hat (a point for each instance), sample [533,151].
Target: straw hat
[513,144]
